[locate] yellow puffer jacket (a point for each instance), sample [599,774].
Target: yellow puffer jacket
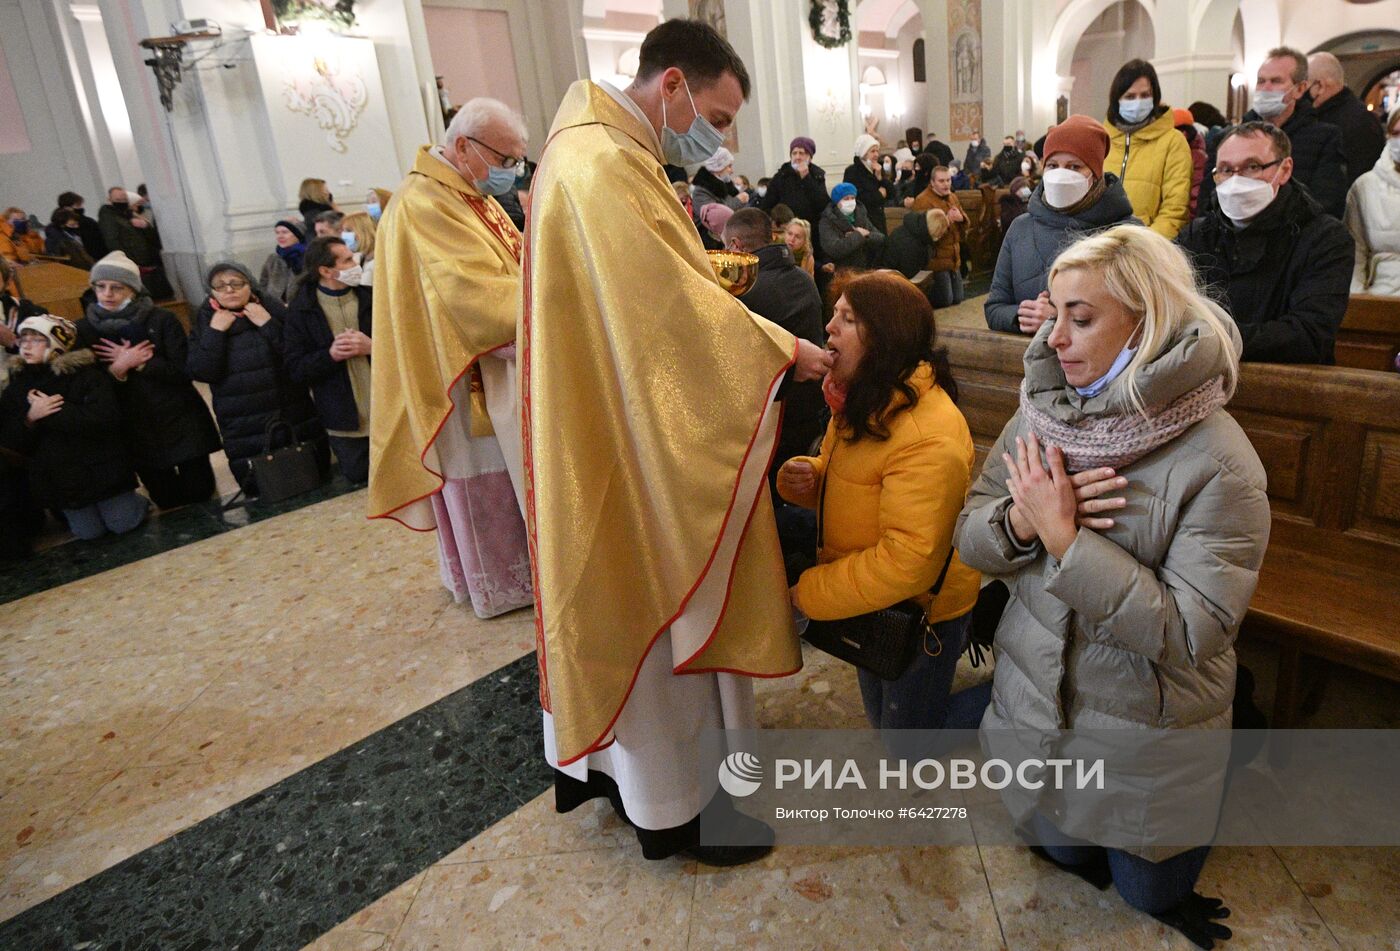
[891,507]
[1154,164]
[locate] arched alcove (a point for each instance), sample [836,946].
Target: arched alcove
[1122,31]
[890,38]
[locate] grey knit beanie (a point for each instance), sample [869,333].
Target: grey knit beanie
[120,268]
[224,266]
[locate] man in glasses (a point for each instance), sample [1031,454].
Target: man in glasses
[1283,263]
[445,434]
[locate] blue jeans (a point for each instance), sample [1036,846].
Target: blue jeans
[1151,887]
[947,288]
[119,514]
[918,700]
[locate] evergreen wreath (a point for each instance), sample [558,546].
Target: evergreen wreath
[340,13]
[843,19]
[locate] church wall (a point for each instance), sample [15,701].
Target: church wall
[472,51]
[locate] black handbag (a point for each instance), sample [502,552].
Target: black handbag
[283,473]
[882,642]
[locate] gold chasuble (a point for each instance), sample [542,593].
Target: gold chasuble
[446,292]
[647,393]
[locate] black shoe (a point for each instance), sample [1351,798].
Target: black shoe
[1197,917]
[723,856]
[1095,871]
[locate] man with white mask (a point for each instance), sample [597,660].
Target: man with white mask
[1281,99]
[1076,198]
[1283,264]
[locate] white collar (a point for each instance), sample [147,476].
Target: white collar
[631,106]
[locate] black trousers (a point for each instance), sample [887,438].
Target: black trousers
[352,452]
[183,484]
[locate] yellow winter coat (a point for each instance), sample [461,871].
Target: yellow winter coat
[891,508]
[1154,164]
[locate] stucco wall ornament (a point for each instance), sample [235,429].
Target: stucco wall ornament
[334,99]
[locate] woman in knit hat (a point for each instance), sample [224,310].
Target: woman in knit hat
[848,238]
[1124,610]
[236,347]
[60,412]
[714,182]
[283,265]
[801,185]
[1076,197]
[867,176]
[169,431]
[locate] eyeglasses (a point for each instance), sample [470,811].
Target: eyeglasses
[1248,170]
[507,161]
[229,286]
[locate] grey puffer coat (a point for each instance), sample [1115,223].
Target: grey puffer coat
[1035,239]
[1134,628]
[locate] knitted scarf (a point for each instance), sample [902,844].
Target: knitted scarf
[1119,440]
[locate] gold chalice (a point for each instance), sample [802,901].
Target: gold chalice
[737,270]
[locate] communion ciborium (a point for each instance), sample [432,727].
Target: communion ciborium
[737,270]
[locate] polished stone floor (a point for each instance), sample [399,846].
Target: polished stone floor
[287,734]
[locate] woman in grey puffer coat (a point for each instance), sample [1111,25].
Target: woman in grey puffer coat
[1124,612]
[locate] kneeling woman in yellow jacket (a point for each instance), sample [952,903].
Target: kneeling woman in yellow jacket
[897,460]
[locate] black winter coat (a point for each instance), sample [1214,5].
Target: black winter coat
[165,420]
[1006,166]
[1318,161]
[908,248]
[807,197]
[309,210]
[1284,279]
[1363,136]
[250,383]
[787,295]
[939,151]
[306,347]
[868,191]
[77,456]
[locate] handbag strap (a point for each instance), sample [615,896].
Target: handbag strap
[821,523]
[274,424]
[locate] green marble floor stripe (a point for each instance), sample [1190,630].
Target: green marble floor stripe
[284,866]
[75,560]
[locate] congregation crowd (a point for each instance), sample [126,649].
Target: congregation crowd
[1145,255]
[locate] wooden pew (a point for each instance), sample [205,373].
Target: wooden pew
[1329,439]
[54,287]
[1369,337]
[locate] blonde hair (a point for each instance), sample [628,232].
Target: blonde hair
[314,189]
[1155,283]
[806,227]
[364,228]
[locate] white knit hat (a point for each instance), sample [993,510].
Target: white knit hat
[903,155]
[864,143]
[721,160]
[117,267]
[60,332]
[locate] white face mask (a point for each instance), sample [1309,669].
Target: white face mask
[1392,146]
[1134,110]
[847,206]
[762,190]
[351,275]
[1064,187]
[1269,104]
[1241,199]
[1024,194]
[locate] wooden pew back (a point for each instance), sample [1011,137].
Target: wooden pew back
[54,287]
[1369,337]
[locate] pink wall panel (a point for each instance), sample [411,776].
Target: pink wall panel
[472,52]
[14,135]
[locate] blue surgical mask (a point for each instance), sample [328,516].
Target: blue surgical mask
[1120,363]
[1134,110]
[498,181]
[373,210]
[699,142]
[351,240]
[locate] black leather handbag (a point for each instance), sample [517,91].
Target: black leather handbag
[283,473]
[882,642]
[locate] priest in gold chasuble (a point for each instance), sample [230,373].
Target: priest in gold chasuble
[648,399]
[445,433]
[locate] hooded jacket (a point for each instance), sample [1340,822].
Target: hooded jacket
[77,456]
[910,246]
[246,373]
[1373,218]
[1134,628]
[1035,239]
[1154,165]
[165,419]
[1284,279]
[947,255]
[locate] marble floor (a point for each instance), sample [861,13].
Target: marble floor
[288,735]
